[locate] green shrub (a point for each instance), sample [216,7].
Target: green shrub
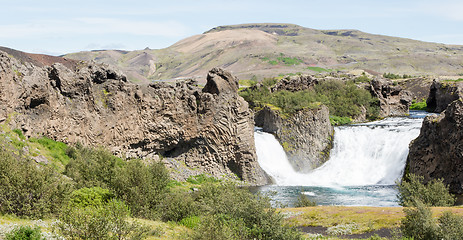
[94,196]
[434,193]
[238,205]
[107,221]
[419,224]
[142,187]
[25,233]
[178,205]
[90,167]
[221,227]
[451,226]
[419,105]
[304,201]
[30,190]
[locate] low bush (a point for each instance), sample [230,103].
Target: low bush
[142,187]
[90,167]
[304,201]
[107,221]
[420,225]
[25,233]
[240,208]
[421,105]
[30,190]
[434,193]
[94,197]
[178,205]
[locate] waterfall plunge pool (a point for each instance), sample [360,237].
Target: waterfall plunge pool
[365,162]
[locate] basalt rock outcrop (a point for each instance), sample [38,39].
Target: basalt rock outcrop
[438,150]
[295,83]
[393,100]
[306,136]
[441,94]
[208,130]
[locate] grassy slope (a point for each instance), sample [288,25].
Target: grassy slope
[241,49]
[367,218]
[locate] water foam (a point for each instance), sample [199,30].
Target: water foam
[365,154]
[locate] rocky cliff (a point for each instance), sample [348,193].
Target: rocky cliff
[437,152]
[393,100]
[442,93]
[208,130]
[306,136]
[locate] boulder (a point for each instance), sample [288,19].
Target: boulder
[306,136]
[438,150]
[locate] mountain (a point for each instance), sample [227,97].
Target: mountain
[272,49]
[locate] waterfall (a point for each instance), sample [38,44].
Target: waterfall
[363,154]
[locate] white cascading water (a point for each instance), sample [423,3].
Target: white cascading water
[365,154]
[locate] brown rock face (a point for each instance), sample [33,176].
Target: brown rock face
[393,100]
[305,136]
[441,94]
[295,83]
[438,151]
[209,131]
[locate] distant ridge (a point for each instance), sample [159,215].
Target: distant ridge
[270,49]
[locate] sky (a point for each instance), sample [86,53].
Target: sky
[57,27]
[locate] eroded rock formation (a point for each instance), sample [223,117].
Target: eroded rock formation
[441,94]
[209,130]
[306,136]
[438,151]
[393,100]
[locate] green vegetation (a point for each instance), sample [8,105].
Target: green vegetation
[29,191]
[419,224]
[337,121]
[99,193]
[457,80]
[56,150]
[396,76]
[319,69]
[248,82]
[344,99]
[105,221]
[362,79]
[421,105]
[25,233]
[282,59]
[413,191]
[304,201]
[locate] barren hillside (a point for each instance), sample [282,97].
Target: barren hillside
[272,49]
